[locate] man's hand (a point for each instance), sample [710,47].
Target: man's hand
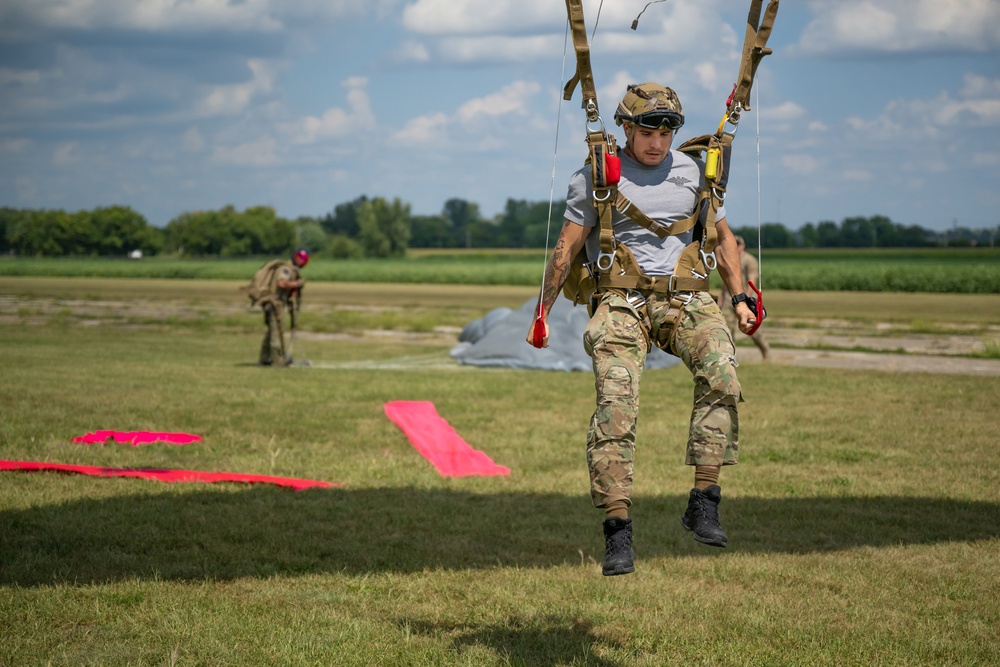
[748,318]
[538,334]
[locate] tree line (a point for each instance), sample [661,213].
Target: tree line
[381,228]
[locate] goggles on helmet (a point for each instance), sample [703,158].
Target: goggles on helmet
[655,120]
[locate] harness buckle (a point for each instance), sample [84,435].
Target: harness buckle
[635,298]
[605,260]
[710,261]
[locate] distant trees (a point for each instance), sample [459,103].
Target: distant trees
[378,227]
[369,228]
[856,232]
[229,233]
[108,231]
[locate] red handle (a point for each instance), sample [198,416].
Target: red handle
[612,169]
[761,313]
[538,330]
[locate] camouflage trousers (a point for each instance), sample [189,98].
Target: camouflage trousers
[272,348]
[616,340]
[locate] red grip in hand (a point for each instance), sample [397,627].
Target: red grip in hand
[538,329]
[761,313]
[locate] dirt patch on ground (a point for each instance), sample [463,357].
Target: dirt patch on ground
[802,342]
[904,363]
[879,346]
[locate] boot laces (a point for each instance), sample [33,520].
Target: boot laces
[709,509]
[618,540]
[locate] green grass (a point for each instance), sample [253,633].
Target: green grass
[934,270]
[864,517]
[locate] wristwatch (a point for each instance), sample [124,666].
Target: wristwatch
[739,298]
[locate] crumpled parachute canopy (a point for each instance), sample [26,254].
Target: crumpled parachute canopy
[642,98]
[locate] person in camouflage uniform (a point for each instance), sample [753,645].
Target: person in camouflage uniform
[664,184]
[277,290]
[750,269]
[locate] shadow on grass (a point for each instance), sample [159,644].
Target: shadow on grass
[526,641]
[221,534]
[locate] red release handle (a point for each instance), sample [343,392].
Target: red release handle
[538,330]
[612,169]
[761,313]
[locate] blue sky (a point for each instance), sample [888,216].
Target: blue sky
[867,107]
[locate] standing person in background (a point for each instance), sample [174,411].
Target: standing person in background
[277,289]
[751,272]
[665,185]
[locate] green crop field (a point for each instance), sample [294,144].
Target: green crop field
[939,270]
[864,517]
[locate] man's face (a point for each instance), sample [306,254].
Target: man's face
[650,147]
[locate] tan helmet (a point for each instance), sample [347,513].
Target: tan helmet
[650,105]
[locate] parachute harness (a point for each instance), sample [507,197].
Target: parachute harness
[615,267]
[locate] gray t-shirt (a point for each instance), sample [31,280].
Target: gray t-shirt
[666,193]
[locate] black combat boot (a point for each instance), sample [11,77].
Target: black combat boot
[618,554]
[702,516]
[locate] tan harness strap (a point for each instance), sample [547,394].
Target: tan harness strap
[584,75]
[754,50]
[627,208]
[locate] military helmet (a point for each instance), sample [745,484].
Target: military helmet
[650,105]
[300,257]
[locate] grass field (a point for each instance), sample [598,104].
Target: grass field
[864,517]
[935,270]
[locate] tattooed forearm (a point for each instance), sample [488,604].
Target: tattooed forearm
[555,274]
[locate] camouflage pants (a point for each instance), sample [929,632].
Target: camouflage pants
[272,348]
[617,343]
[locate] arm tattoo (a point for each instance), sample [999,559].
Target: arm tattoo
[555,274]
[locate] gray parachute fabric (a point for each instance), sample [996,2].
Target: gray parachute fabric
[498,339]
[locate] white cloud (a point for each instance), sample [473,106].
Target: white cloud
[14,145]
[979,112]
[986,159]
[800,163]
[525,30]
[499,48]
[26,189]
[977,105]
[260,152]
[857,175]
[512,99]
[65,154]
[485,119]
[188,15]
[451,17]
[901,26]
[21,77]
[148,14]
[336,121]
[411,52]
[424,130]
[976,86]
[193,141]
[233,98]
[786,112]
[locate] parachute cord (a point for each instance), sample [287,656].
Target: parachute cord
[635,23]
[597,22]
[760,258]
[555,153]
